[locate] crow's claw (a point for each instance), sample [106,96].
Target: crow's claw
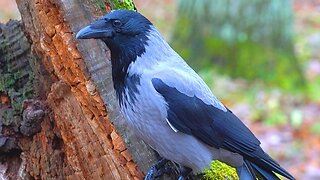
[157,170]
[152,173]
[184,172]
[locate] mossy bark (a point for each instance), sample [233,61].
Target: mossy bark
[16,80]
[67,100]
[16,85]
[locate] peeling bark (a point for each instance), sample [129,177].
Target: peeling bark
[83,135]
[68,124]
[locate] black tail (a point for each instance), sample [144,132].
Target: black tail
[264,167]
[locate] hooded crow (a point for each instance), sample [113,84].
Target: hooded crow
[169,106]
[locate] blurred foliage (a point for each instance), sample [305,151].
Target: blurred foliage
[115,4]
[316,128]
[250,39]
[8,10]
[286,122]
[313,90]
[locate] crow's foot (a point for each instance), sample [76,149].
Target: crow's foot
[158,170]
[184,172]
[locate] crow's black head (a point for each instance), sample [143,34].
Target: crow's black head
[119,29]
[126,34]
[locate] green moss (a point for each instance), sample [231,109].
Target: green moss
[16,78]
[9,117]
[10,84]
[220,171]
[115,4]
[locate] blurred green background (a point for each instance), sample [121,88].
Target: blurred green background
[261,58]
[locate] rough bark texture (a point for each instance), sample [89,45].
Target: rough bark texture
[82,134]
[91,146]
[16,79]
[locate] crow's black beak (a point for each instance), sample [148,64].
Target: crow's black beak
[90,32]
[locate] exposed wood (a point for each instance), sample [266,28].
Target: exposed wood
[97,59]
[79,138]
[68,126]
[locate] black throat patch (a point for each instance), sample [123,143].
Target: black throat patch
[123,53]
[129,92]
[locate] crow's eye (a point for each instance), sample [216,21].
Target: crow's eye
[116,23]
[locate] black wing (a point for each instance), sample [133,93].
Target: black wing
[215,127]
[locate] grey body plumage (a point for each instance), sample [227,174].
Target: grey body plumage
[148,113]
[168,104]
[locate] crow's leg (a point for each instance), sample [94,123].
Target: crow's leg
[184,172]
[157,169]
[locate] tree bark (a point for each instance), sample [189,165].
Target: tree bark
[82,134]
[14,75]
